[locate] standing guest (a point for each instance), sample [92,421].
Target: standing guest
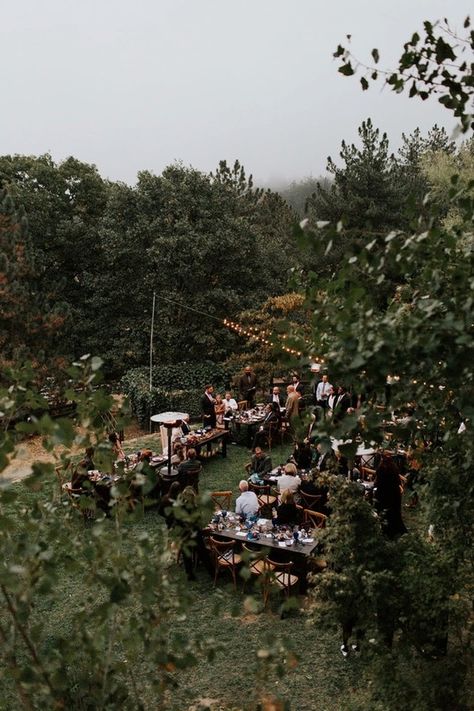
[331,401]
[117,449]
[248,386]
[289,479]
[343,403]
[208,407]
[388,497]
[247,502]
[187,521]
[219,408]
[298,386]
[292,404]
[260,463]
[322,392]
[276,397]
[230,404]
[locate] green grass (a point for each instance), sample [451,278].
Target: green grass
[320,678]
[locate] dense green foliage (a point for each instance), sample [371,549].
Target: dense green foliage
[176,387]
[209,242]
[414,591]
[389,294]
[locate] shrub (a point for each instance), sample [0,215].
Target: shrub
[175,387]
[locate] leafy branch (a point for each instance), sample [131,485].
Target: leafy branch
[434,64]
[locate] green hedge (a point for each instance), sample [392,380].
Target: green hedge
[176,387]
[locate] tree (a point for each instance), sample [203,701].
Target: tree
[423,335]
[209,246]
[63,204]
[24,324]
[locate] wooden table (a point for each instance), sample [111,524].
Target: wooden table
[212,437]
[298,554]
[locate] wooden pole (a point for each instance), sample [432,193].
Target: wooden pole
[151,345]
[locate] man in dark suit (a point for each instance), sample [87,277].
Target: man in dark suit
[275,397]
[269,425]
[208,407]
[248,386]
[295,381]
[342,403]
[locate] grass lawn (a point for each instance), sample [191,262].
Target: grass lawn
[319,678]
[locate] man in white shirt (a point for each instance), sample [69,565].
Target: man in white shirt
[230,404]
[322,392]
[276,397]
[247,502]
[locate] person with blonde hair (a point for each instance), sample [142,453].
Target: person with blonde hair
[289,479]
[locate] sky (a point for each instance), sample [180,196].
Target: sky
[138,85]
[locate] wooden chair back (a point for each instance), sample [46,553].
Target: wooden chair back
[221,500]
[224,557]
[242,405]
[310,501]
[280,575]
[264,495]
[314,518]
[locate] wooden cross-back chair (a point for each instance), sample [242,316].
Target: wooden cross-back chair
[242,405]
[310,501]
[278,575]
[221,500]
[314,518]
[79,500]
[224,557]
[264,494]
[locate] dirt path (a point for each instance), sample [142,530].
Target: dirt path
[32,450]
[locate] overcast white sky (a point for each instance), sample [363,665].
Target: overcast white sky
[132,85]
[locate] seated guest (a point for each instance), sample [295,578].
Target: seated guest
[230,404]
[179,430]
[303,455]
[145,456]
[80,473]
[276,397]
[247,502]
[260,463]
[324,458]
[192,463]
[116,446]
[289,479]
[270,424]
[219,408]
[149,482]
[287,513]
[178,455]
[167,502]
[313,487]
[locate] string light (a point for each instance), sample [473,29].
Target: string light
[253,332]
